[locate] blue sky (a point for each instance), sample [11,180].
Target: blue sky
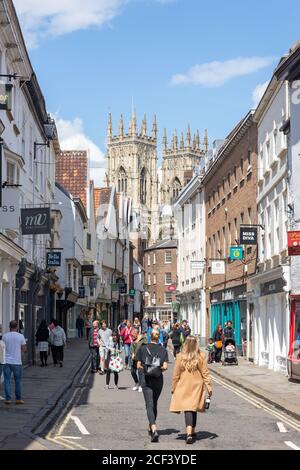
[185,60]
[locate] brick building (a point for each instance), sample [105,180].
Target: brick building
[160,264]
[230,185]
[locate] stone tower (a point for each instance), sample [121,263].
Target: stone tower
[132,168]
[179,162]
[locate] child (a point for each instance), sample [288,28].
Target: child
[211,350]
[114,360]
[230,347]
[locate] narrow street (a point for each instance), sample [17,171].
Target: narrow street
[116,419]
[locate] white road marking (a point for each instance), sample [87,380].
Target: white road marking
[281,427]
[80,426]
[292,423]
[292,445]
[70,437]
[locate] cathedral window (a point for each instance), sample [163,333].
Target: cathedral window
[176,188]
[143,187]
[122,181]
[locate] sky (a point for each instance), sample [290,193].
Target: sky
[187,61]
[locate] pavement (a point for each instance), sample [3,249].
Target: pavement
[273,387]
[44,388]
[112,419]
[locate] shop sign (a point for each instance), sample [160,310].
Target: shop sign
[218,267]
[272,287]
[236,253]
[122,288]
[35,221]
[87,270]
[114,287]
[197,265]
[5,96]
[81,291]
[248,235]
[294,243]
[172,288]
[132,292]
[10,209]
[53,259]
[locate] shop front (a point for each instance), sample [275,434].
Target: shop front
[230,305]
[293,361]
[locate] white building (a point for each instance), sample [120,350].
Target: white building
[190,217]
[269,300]
[26,161]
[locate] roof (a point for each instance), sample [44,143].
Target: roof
[289,66]
[162,244]
[102,199]
[72,172]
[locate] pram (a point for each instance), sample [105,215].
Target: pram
[230,357]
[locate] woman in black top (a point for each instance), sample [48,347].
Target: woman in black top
[152,361]
[42,336]
[218,339]
[175,336]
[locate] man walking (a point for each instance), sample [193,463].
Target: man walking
[79,326]
[94,348]
[15,344]
[58,341]
[228,331]
[103,341]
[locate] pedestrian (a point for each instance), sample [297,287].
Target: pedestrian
[191,382]
[114,360]
[211,350]
[21,327]
[165,336]
[228,331]
[88,324]
[145,324]
[137,341]
[155,326]
[94,348]
[51,324]
[58,341]
[185,329]
[126,335]
[137,325]
[152,361]
[42,342]
[103,336]
[15,344]
[121,326]
[218,340]
[80,326]
[175,337]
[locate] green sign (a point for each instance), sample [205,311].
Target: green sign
[132,292]
[175,306]
[114,287]
[236,253]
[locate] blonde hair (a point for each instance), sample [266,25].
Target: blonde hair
[190,354]
[155,335]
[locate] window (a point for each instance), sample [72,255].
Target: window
[154,258]
[149,262]
[88,241]
[242,167]
[30,161]
[224,241]
[193,213]
[235,176]
[229,182]
[268,155]
[242,217]
[168,297]
[214,247]
[154,278]
[168,279]
[122,181]
[23,136]
[168,257]
[143,187]
[176,188]
[149,279]
[249,215]
[10,173]
[229,233]
[235,229]
[249,158]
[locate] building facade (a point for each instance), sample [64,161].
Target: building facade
[230,200]
[160,265]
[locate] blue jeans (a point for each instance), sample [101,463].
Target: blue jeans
[127,353]
[8,369]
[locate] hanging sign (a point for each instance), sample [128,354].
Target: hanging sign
[36,221]
[53,259]
[248,235]
[10,209]
[236,252]
[172,288]
[218,267]
[294,243]
[81,291]
[5,96]
[87,270]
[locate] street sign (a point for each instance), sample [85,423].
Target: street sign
[87,270]
[114,287]
[197,265]
[294,243]
[132,292]
[122,288]
[6,96]
[236,252]
[248,235]
[36,221]
[172,288]
[81,291]
[53,259]
[10,209]
[218,267]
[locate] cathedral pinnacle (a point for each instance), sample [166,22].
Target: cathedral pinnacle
[154,128]
[182,141]
[188,137]
[121,126]
[133,123]
[109,127]
[144,127]
[164,141]
[205,140]
[197,140]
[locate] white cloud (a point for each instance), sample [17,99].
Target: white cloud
[40,18]
[72,137]
[214,74]
[258,93]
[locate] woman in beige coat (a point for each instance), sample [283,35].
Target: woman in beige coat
[191,381]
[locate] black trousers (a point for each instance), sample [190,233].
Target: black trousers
[152,388]
[135,374]
[218,354]
[190,418]
[176,349]
[57,354]
[94,358]
[108,374]
[44,357]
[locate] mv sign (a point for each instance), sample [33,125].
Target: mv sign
[36,221]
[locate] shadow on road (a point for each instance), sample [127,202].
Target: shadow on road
[167,432]
[200,436]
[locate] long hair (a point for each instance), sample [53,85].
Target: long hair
[190,354]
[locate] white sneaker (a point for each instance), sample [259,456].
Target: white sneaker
[140,389]
[106,387]
[116,387]
[135,388]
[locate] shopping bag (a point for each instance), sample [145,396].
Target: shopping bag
[115,363]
